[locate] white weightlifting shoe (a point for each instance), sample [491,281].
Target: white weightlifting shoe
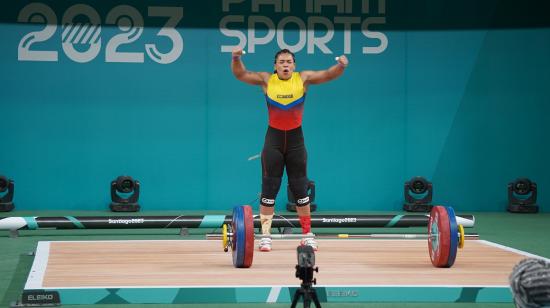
[265,244]
[309,241]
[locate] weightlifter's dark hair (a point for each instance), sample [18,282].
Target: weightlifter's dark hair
[284,51]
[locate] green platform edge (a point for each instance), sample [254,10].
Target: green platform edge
[283,294]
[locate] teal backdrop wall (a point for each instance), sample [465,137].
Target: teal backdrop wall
[455,91]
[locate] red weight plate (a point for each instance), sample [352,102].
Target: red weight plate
[249,235]
[439,236]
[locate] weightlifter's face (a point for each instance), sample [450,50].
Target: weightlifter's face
[285,66]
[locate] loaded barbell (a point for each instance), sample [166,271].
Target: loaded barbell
[444,236]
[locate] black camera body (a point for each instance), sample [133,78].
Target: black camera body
[306,265]
[304,271]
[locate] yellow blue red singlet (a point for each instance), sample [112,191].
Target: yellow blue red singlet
[285,101]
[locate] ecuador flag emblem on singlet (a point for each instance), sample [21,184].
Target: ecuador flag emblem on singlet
[285,100]
[285,94]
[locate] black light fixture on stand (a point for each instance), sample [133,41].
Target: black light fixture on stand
[6,194]
[418,195]
[124,194]
[522,196]
[291,204]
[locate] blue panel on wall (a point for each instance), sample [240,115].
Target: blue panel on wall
[457,96]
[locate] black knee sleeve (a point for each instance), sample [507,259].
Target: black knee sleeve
[270,188]
[298,186]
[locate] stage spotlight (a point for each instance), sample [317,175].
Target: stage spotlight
[124,194]
[522,196]
[6,194]
[418,195]
[291,204]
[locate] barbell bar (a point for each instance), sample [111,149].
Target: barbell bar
[225,235]
[392,236]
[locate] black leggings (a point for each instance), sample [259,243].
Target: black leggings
[284,149]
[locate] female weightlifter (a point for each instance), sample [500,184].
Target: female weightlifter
[285,93]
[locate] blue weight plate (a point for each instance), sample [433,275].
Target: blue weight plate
[234,236]
[239,237]
[454,236]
